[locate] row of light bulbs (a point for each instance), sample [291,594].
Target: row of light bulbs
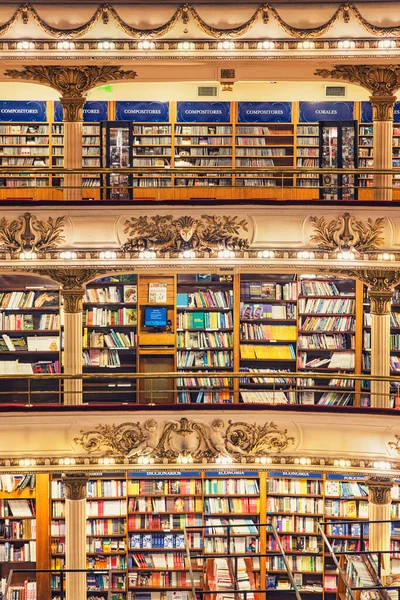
[226,45]
[189,254]
[222,459]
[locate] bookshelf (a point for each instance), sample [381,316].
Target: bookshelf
[307,154]
[24,144]
[268,335]
[295,505]
[205,338]
[327,338]
[264,145]
[159,506]
[110,328]
[151,147]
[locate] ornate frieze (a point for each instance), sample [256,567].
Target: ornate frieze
[29,234]
[187,12]
[75,486]
[379,488]
[346,233]
[163,233]
[168,440]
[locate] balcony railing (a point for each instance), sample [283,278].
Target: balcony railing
[165,183]
[191,389]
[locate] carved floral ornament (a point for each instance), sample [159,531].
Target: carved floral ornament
[379,488]
[163,233]
[29,234]
[75,486]
[346,234]
[168,440]
[186,12]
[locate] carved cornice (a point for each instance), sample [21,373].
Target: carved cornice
[379,488]
[72,82]
[186,12]
[202,441]
[382,81]
[163,233]
[29,234]
[346,233]
[75,486]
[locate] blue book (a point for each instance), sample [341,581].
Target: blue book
[182,300]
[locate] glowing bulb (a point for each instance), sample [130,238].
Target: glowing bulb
[108,255]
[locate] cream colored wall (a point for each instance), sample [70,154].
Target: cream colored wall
[162,91]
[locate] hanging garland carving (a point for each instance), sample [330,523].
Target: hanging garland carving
[202,441]
[187,11]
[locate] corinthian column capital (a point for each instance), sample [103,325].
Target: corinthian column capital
[381,283]
[379,80]
[75,486]
[379,489]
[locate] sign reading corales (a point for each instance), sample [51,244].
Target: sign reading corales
[203,112]
[310,112]
[94,111]
[143,112]
[265,112]
[23,110]
[366,112]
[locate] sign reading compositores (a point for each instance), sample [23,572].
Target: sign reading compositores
[143,112]
[366,112]
[311,112]
[203,112]
[265,112]
[94,111]
[23,111]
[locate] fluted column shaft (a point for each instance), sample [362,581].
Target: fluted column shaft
[381,303]
[75,535]
[72,303]
[73,129]
[382,109]
[379,510]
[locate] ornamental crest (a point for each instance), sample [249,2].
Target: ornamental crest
[29,234]
[201,441]
[210,233]
[346,233]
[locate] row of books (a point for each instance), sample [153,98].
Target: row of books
[204,340]
[219,358]
[295,505]
[262,290]
[20,507]
[117,562]
[18,529]
[103,317]
[97,357]
[251,331]
[26,322]
[238,545]
[26,552]
[206,382]
[128,293]
[338,360]
[25,299]
[99,508]
[205,320]
[263,378]
[111,339]
[277,352]
[164,522]
[163,579]
[164,486]
[173,560]
[100,545]
[205,299]
[296,563]
[346,488]
[347,508]
[324,341]
[294,486]
[268,311]
[266,397]
[299,543]
[317,287]
[231,505]
[343,324]
[314,305]
[231,486]
[203,397]
[161,540]
[26,591]
[169,505]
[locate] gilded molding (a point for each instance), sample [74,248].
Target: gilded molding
[163,233]
[380,80]
[395,444]
[383,107]
[75,486]
[73,300]
[379,488]
[187,11]
[29,234]
[346,233]
[381,284]
[72,82]
[169,439]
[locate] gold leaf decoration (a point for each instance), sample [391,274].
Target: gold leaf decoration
[65,33]
[345,233]
[163,233]
[310,32]
[153,33]
[227,33]
[27,233]
[202,441]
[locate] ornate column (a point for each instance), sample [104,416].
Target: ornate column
[382,81]
[379,510]
[72,83]
[380,284]
[72,292]
[75,534]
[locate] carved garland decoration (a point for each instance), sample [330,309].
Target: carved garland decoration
[166,234]
[29,234]
[202,441]
[187,11]
[345,233]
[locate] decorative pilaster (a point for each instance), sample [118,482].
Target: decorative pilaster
[380,284]
[72,83]
[75,534]
[379,510]
[382,81]
[72,292]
